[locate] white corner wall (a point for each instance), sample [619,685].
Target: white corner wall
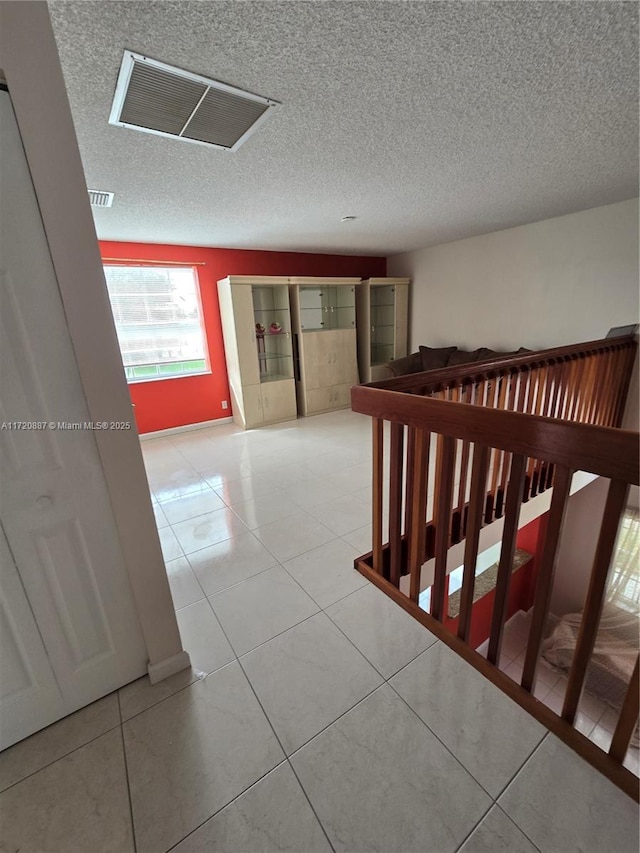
[555,282]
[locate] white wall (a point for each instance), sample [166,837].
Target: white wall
[554,282]
[578,547]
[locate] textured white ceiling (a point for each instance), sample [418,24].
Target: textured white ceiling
[429,121]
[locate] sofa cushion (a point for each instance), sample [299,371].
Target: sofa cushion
[409,364]
[463,356]
[434,358]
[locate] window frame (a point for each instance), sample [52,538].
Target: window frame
[163,265]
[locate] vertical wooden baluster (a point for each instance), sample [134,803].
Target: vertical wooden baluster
[531,391]
[592,407]
[615,382]
[534,404]
[603,379]
[378,444]
[498,455]
[578,388]
[625,379]
[544,584]
[604,383]
[550,376]
[559,384]
[474,525]
[409,477]
[507,552]
[614,507]
[587,388]
[512,406]
[627,720]
[443,499]
[418,510]
[619,388]
[607,402]
[564,403]
[396,453]
[464,469]
[490,501]
[522,388]
[535,465]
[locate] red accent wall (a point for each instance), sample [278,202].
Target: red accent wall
[521,590]
[165,403]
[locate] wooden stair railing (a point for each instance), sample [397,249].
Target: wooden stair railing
[474,462]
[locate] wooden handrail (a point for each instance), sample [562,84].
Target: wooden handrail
[493,436]
[605,451]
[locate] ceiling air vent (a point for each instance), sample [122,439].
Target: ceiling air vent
[156,98]
[100,198]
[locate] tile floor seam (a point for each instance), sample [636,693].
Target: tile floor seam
[511,820]
[438,738]
[225,588]
[126,776]
[286,757]
[492,805]
[264,642]
[520,769]
[317,603]
[226,805]
[64,755]
[333,722]
[209,545]
[311,806]
[203,675]
[381,674]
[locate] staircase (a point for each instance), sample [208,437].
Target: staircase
[459,449]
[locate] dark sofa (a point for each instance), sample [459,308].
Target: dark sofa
[435,358]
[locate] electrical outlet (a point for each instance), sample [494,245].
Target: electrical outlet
[225,405]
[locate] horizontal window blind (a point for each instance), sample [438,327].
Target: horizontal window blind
[158,320]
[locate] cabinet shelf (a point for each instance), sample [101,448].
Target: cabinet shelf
[382,317]
[260,364]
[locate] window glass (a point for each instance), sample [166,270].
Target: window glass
[158,319]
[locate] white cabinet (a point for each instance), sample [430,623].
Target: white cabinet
[256,325]
[324,324]
[382,310]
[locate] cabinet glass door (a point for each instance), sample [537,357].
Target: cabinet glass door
[330,307]
[273,332]
[382,324]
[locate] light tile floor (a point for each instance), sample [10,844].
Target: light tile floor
[595,719]
[318,715]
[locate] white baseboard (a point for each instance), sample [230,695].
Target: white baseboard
[164,668]
[145,436]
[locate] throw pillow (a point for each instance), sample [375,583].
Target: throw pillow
[434,358]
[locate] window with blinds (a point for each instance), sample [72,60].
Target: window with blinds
[158,319]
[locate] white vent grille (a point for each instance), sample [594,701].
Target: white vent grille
[157,98]
[100,198]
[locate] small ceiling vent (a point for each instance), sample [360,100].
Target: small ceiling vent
[100,198]
[156,98]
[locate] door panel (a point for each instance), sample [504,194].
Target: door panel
[253,411]
[319,400]
[54,503]
[279,400]
[29,695]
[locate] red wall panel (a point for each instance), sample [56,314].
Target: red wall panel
[165,403]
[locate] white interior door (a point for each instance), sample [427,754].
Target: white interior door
[29,694]
[54,504]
